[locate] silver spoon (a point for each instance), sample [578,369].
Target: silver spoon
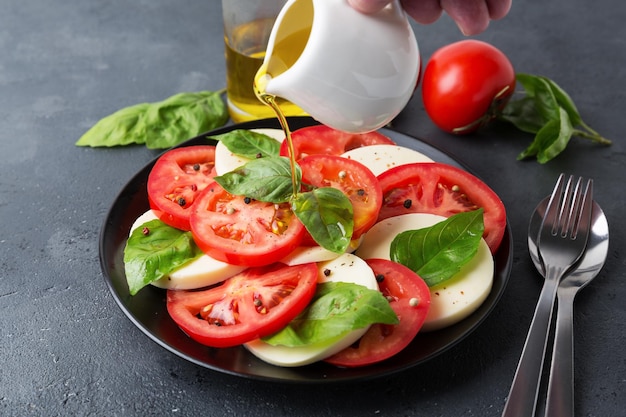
[560,400]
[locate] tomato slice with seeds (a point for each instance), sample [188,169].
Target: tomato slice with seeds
[353,178]
[409,298]
[254,303]
[324,140]
[241,231]
[176,179]
[441,189]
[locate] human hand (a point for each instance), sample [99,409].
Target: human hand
[471,16]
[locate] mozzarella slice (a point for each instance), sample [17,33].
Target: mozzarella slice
[345,268]
[308,254]
[226,161]
[380,158]
[452,300]
[201,272]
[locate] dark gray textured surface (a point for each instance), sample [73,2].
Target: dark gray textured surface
[67,349]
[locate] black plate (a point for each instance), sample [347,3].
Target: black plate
[148,312]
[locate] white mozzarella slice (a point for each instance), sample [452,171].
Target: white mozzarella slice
[226,161]
[308,254]
[452,300]
[201,272]
[345,268]
[380,158]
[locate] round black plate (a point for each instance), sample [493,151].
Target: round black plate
[148,312]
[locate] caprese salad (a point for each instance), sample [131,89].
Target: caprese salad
[341,253]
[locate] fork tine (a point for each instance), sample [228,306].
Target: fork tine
[571,209]
[582,221]
[553,208]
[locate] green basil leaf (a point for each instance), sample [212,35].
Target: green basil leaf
[551,140]
[523,114]
[249,144]
[124,127]
[161,124]
[336,309]
[565,101]
[265,179]
[438,252]
[538,89]
[328,216]
[152,256]
[183,116]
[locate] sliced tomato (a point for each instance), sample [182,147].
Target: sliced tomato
[241,231]
[351,177]
[254,303]
[324,140]
[442,189]
[410,299]
[176,179]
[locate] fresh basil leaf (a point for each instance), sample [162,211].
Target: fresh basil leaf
[336,309]
[565,101]
[153,255]
[123,127]
[265,179]
[438,252]
[160,124]
[551,140]
[328,216]
[538,89]
[523,114]
[249,144]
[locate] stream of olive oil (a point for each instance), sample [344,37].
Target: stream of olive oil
[286,52]
[260,83]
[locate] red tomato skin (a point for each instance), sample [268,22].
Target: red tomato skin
[360,185]
[441,189]
[238,294]
[243,236]
[380,342]
[321,139]
[465,84]
[173,177]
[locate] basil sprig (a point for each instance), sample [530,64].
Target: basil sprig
[438,252]
[325,212]
[154,250]
[549,113]
[336,309]
[159,125]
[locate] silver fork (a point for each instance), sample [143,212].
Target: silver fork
[561,242]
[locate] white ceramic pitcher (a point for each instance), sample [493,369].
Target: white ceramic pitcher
[351,71]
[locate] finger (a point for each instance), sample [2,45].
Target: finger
[471,16]
[423,11]
[498,8]
[368,6]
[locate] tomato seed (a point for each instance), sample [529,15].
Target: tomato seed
[414,302]
[342,174]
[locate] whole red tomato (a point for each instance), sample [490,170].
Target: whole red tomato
[465,84]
